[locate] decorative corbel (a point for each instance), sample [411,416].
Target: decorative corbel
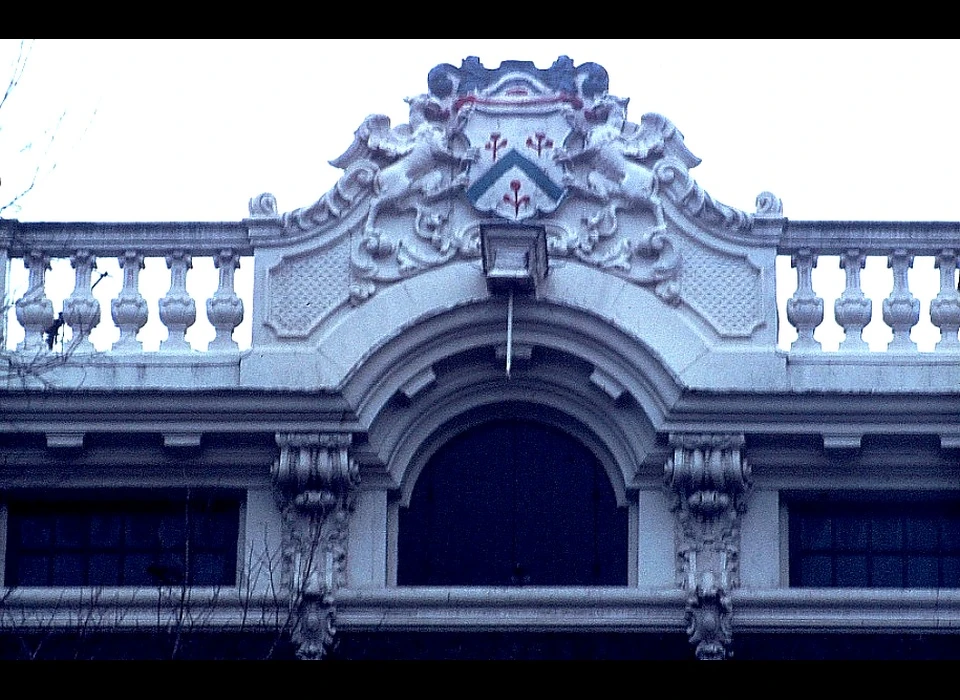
[316,481]
[709,480]
[709,623]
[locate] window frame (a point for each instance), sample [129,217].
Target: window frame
[870,509]
[122,501]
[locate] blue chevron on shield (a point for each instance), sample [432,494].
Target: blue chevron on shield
[515,175]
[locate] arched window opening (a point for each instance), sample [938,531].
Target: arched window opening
[513,503]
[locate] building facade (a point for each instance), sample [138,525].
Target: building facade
[513,391]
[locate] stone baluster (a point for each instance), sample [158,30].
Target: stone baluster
[316,481]
[853,309]
[901,311]
[709,481]
[178,310]
[34,309]
[129,309]
[81,310]
[945,307]
[225,308]
[805,308]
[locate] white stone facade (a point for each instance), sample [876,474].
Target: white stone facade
[378,338]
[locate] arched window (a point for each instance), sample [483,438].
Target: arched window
[513,502]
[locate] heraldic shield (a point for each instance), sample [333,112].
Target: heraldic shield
[516,137]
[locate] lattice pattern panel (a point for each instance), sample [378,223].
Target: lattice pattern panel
[723,289]
[303,290]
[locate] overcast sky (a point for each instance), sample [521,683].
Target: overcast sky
[190,130]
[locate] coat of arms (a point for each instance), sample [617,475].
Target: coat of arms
[517,136]
[516,119]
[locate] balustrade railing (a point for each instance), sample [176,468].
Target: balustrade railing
[87,247]
[852,243]
[852,250]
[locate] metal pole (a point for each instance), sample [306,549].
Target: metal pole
[509,332]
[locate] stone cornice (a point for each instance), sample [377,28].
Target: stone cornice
[176,410]
[149,238]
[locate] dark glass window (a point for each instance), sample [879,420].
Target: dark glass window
[123,538]
[878,545]
[513,503]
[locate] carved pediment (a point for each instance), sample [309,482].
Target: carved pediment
[516,144]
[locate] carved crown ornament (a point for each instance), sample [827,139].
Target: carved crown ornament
[519,145]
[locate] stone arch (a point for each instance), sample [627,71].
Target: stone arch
[576,369]
[506,497]
[565,360]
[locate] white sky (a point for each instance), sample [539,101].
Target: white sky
[190,130]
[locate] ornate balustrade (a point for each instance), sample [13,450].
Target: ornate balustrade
[853,242]
[179,244]
[83,244]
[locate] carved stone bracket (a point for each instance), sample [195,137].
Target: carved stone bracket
[709,480]
[316,628]
[709,623]
[316,481]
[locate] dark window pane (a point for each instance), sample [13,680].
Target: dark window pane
[32,570]
[72,531]
[816,571]
[135,570]
[210,530]
[852,571]
[951,572]
[922,572]
[34,531]
[885,544]
[950,534]
[887,571]
[922,534]
[173,530]
[210,569]
[816,533]
[128,537]
[886,534]
[69,570]
[851,532]
[106,530]
[142,530]
[104,570]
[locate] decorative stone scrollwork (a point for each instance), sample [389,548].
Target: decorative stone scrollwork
[355,182]
[769,206]
[316,482]
[316,628]
[413,162]
[709,623]
[709,481]
[263,206]
[516,143]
